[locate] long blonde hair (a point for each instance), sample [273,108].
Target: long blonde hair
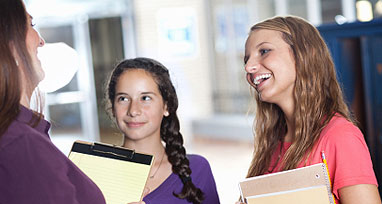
[317,95]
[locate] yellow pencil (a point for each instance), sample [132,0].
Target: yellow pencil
[327,169]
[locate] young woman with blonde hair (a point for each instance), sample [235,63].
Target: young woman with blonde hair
[301,111]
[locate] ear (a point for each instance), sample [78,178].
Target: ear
[113,112]
[166,113]
[15,54]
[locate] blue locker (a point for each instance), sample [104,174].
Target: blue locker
[356,49]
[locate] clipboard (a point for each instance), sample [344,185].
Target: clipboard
[308,184]
[120,173]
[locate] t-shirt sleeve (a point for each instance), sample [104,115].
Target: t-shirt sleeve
[206,181]
[348,157]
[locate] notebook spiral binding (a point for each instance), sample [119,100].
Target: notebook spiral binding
[330,194]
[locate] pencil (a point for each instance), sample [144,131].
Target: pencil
[327,169]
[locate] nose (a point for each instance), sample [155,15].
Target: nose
[42,41]
[134,109]
[251,66]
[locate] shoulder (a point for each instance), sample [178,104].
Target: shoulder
[21,130]
[196,158]
[199,166]
[347,154]
[16,133]
[27,146]
[203,178]
[340,122]
[340,131]
[198,161]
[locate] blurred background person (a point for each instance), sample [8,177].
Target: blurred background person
[32,169]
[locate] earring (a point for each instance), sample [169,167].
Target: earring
[17,63]
[166,113]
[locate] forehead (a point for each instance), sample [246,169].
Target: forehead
[133,78]
[259,36]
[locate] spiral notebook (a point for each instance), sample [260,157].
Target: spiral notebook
[120,173]
[298,186]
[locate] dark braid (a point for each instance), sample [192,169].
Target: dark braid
[169,131]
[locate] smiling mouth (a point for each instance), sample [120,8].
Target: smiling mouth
[135,124]
[261,78]
[258,79]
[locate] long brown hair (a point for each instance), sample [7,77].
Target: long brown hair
[170,127]
[13,31]
[317,95]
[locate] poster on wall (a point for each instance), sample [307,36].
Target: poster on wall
[177,29]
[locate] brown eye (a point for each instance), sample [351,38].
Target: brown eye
[146,98]
[122,98]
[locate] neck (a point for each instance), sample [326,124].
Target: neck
[288,110]
[25,100]
[290,131]
[154,147]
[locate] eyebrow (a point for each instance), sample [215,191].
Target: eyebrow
[149,92]
[262,43]
[143,93]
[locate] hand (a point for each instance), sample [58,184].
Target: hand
[145,192]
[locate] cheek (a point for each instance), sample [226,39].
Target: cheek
[155,113]
[118,112]
[32,40]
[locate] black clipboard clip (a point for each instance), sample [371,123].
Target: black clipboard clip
[112,150]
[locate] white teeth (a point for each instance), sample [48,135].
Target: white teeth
[256,81]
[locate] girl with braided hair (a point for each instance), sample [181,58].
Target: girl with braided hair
[143,103]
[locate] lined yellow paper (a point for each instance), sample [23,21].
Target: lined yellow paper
[120,181]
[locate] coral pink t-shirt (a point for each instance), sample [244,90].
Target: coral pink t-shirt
[346,153]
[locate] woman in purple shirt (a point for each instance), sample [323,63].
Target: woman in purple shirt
[143,103]
[32,169]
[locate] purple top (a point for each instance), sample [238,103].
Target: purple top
[33,170]
[201,177]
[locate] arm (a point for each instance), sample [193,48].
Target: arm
[361,193]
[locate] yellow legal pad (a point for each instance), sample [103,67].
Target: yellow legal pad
[120,173]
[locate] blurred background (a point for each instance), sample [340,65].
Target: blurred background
[202,44]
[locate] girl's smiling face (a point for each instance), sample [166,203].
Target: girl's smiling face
[138,105]
[270,66]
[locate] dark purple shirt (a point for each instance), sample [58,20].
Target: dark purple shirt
[201,176]
[34,171]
